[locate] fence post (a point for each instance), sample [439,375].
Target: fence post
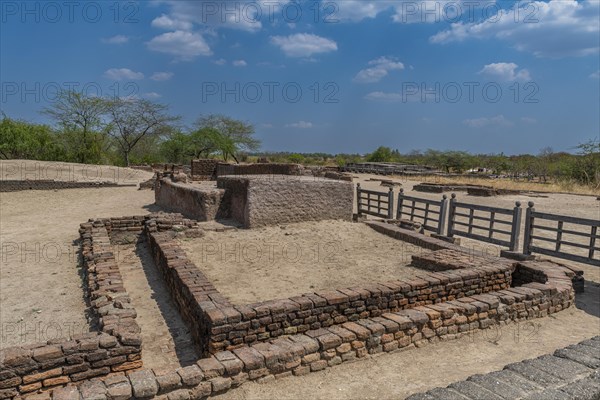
[400,202]
[442,216]
[528,228]
[451,215]
[358,199]
[515,232]
[391,203]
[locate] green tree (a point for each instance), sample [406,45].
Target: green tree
[130,120]
[234,136]
[21,139]
[79,118]
[382,154]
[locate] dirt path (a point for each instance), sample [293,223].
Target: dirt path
[167,340]
[41,294]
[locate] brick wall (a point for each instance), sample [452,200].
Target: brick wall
[298,199]
[318,349]
[15,185]
[114,348]
[204,169]
[259,169]
[193,201]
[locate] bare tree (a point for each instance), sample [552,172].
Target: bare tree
[133,119]
[79,115]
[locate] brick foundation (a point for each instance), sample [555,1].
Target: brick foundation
[15,185]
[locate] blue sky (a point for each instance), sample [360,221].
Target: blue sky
[331,76]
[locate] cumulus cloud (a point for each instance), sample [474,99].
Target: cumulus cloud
[595,75]
[184,45]
[303,44]
[377,70]
[499,120]
[505,72]
[300,125]
[161,76]
[220,61]
[239,63]
[169,23]
[383,96]
[555,29]
[117,39]
[121,74]
[151,95]
[240,15]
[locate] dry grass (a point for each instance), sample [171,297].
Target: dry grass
[566,187]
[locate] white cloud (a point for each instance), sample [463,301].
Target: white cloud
[241,15]
[595,75]
[303,44]
[300,125]
[528,120]
[121,74]
[554,29]
[161,76]
[499,120]
[117,39]
[382,96]
[266,125]
[505,72]
[168,23]
[220,61]
[239,63]
[152,95]
[354,10]
[184,45]
[378,69]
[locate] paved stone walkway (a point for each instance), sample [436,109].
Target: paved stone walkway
[570,373]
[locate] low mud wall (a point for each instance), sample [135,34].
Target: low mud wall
[193,201]
[15,185]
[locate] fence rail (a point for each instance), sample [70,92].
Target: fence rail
[430,213]
[562,236]
[534,231]
[489,223]
[378,204]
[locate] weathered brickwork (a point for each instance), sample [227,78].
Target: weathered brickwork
[203,203]
[298,199]
[259,169]
[15,185]
[204,169]
[273,339]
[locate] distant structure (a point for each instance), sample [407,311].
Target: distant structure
[389,168]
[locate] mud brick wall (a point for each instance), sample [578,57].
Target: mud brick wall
[200,203]
[191,290]
[318,349]
[204,169]
[259,169]
[15,186]
[297,199]
[266,320]
[115,348]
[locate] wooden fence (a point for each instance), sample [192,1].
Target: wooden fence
[557,235]
[464,219]
[430,213]
[378,204]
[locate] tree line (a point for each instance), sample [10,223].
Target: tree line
[120,131]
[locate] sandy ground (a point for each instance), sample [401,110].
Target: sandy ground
[47,170]
[400,374]
[277,262]
[167,340]
[552,203]
[41,293]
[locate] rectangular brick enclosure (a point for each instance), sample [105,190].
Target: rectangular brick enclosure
[275,199]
